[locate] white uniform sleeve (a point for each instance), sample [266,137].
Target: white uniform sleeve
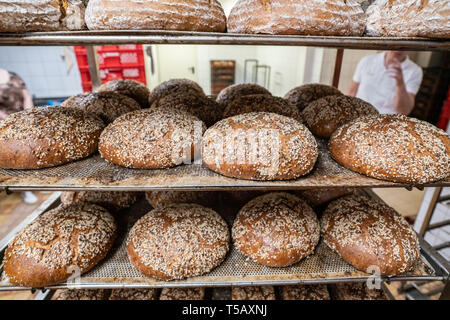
[359,70]
[413,82]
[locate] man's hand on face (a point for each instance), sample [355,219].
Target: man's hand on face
[394,70]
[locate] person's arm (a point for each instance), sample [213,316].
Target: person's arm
[351,92]
[27,100]
[404,100]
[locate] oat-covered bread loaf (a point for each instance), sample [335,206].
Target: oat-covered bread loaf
[276,230]
[325,115]
[318,197]
[130,88]
[150,140]
[303,95]
[81,294]
[298,17]
[356,291]
[409,18]
[253,293]
[394,148]
[181,86]
[159,199]
[67,240]
[47,136]
[305,292]
[178,241]
[110,200]
[259,146]
[187,15]
[182,294]
[106,105]
[368,233]
[133,294]
[261,103]
[234,91]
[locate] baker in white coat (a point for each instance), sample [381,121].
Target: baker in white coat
[388,80]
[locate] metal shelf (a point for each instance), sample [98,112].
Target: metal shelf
[70,38]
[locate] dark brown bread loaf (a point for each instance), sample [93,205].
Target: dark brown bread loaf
[182,294]
[112,201]
[325,115]
[181,86]
[159,199]
[240,197]
[178,241]
[261,103]
[259,146]
[394,148]
[151,140]
[303,95]
[66,240]
[356,291]
[305,292]
[276,230]
[106,105]
[130,88]
[47,136]
[133,294]
[81,294]
[234,91]
[369,234]
[253,293]
[318,197]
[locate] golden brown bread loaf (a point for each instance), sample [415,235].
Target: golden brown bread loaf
[253,293]
[133,294]
[276,230]
[356,291]
[298,17]
[369,234]
[81,294]
[130,88]
[409,18]
[181,86]
[182,294]
[47,136]
[106,105]
[303,95]
[187,15]
[234,91]
[151,140]
[259,146]
[159,199]
[318,197]
[394,148]
[68,239]
[110,200]
[325,115]
[178,241]
[305,292]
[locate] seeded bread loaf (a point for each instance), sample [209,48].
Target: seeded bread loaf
[181,86]
[81,294]
[356,291]
[130,88]
[133,294]
[47,136]
[159,199]
[234,91]
[253,293]
[318,197]
[305,292]
[112,201]
[182,294]
[303,95]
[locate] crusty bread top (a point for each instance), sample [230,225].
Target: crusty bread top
[305,292]
[303,95]
[357,291]
[234,91]
[183,86]
[182,294]
[253,293]
[130,88]
[110,200]
[81,294]
[133,294]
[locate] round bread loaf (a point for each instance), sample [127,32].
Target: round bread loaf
[134,294]
[259,146]
[81,294]
[158,199]
[325,115]
[298,17]
[112,201]
[178,241]
[67,240]
[187,15]
[276,230]
[253,293]
[240,197]
[182,294]
[234,91]
[356,291]
[106,105]
[303,95]
[394,148]
[318,197]
[151,140]
[47,136]
[261,103]
[369,234]
[305,292]
[181,86]
[130,88]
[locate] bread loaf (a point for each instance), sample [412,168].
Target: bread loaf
[318,197]
[253,293]
[81,294]
[305,292]
[112,200]
[188,15]
[158,199]
[181,86]
[298,17]
[394,148]
[276,230]
[370,235]
[409,18]
[259,146]
[64,241]
[182,294]
[325,115]
[303,95]
[47,136]
[234,91]
[130,88]
[178,241]
[356,291]
[151,140]
[133,294]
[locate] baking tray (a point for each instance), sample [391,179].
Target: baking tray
[324,266]
[94,173]
[69,38]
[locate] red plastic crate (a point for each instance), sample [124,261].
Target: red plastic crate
[108,59]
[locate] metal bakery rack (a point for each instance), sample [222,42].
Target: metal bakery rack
[94,173]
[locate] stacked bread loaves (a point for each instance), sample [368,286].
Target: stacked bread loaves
[305,292]
[253,293]
[112,201]
[182,294]
[227,95]
[180,86]
[129,88]
[303,95]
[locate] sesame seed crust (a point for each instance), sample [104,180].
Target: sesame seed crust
[130,88]
[259,146]
[81,294]
[180,86]
[325,115]
[159,199]
[182,294]
[394,148]
[305,292]
[112,201]
[178,241]
[357,291]
[59,242]
[253,293]
[133,294]
[303,95]
[276,230]
[47,136]
[366,232]
[227,95]
[151,140]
